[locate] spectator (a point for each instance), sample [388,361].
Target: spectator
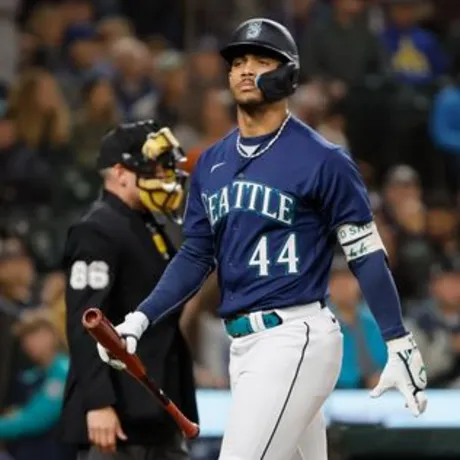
[300,16]
[172,78]
[17,276]
[375,16]
[41,114]
[416,55]
[17,273]
[333,126]
[98,114]
[157,44]
[342,50]
[205,70]
[24,177]
[52,296]
[45,34]
[112,29]
[445,129]
[135,92]
[414,251]
[402,183]
[85,61]
[442,230]
[29,429]
[436,327]
[364,351]
[164,17]
[78,11]
[9,34]
[216,121]
[310,103]
[206,63]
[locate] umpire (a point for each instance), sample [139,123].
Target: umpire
[113,258]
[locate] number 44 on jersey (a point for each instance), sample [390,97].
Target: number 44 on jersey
[287,256]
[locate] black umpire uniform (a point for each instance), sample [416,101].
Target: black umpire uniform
[113,258]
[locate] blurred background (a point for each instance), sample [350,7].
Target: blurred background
[379,77]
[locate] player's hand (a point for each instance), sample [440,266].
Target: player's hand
[405,372]
[104,429]
[130,331]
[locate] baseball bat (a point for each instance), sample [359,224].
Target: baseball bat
[102,330]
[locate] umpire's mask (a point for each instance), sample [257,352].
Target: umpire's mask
[152,153]
[164,190]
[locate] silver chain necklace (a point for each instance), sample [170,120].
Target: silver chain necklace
[260,152]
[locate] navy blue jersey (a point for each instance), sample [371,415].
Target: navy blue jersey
[273,217]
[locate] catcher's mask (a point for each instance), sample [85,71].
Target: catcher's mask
[152,153]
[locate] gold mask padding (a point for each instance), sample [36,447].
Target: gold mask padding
[159,143]
[159,200]
[154,192]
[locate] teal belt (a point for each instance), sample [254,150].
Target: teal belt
[241,325]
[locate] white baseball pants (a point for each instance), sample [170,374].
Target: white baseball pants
[280,378]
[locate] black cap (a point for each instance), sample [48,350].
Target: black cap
[124,143]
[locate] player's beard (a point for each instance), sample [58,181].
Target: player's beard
[253,104]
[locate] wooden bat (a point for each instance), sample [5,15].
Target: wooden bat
[102,330]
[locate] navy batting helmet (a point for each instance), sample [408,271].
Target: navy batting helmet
[261,35]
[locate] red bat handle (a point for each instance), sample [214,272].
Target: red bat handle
[102,330]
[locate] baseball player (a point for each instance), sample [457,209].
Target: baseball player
[267,205]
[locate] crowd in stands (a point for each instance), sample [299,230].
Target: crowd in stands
[379,77]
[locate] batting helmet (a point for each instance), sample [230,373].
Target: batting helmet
[265,36]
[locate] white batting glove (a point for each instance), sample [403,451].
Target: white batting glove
[131,331]
[406,372]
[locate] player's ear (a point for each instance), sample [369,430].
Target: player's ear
[120,174]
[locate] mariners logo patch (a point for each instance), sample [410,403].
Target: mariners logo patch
[254,30]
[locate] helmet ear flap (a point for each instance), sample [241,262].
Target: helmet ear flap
[279,83]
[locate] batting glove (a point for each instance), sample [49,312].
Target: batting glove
[406,372]
[131,331]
